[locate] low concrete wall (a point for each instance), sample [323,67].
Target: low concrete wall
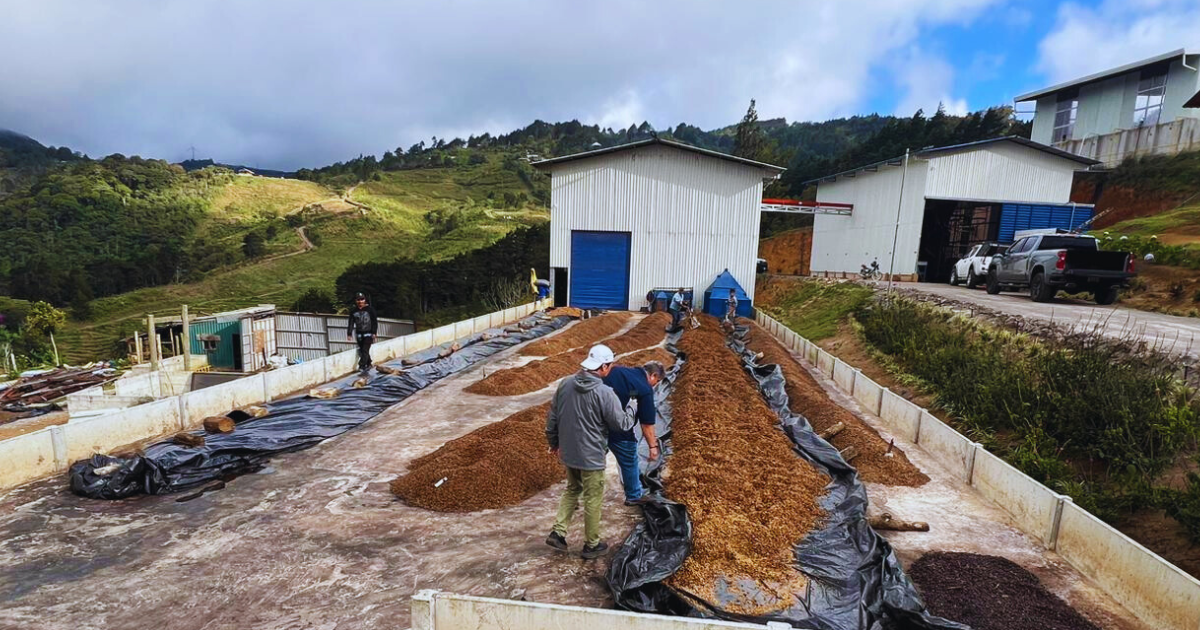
[1033,505]
[901,416]
[1156,591]
[34,455]
[149,384]
[27,457]
[1150,587]
[103,434]
[481,323]
[418,341]
[293,378]
[868,393]
[341,364]
[464,329]
[84,402]
[843,375]
[443,334]
[432,610]
[949,446]
[221,399]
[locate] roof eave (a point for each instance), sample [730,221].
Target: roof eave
[548,164]
[1091,78]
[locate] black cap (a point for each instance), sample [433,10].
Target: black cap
[359,296]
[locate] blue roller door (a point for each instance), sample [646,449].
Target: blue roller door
[1019,216]
[600,270]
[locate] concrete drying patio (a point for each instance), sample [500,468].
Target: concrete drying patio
[316,541]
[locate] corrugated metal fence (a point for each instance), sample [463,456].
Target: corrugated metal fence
[308,336]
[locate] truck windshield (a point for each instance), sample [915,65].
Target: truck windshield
[1067,242]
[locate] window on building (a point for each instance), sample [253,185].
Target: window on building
[1064,117]
[1152,88]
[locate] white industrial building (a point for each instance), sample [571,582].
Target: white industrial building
[651,214]
[1138,108]
[938,202]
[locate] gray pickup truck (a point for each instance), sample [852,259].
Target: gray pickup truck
[1046,263]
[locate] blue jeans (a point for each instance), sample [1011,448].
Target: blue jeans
[627,458]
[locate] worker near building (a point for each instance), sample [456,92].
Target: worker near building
[635,386]
[362,328]
[581,416]
[731,307]
[677,307]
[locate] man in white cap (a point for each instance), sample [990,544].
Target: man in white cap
[582,414]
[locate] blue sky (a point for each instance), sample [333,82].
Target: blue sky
[292,83]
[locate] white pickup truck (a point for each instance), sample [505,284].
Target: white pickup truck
[973,267]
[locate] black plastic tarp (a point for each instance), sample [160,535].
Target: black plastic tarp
[291,424]
[855,581]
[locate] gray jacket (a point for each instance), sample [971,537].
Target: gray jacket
[584,410]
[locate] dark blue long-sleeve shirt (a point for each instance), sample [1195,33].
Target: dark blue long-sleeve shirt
[630,383]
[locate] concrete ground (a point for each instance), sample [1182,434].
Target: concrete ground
[1173,333]
[317,541]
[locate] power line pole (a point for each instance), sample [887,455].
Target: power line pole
[896,230]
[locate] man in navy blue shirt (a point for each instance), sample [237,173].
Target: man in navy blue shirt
[635,384]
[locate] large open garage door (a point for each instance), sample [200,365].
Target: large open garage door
[599,273]
[949,230]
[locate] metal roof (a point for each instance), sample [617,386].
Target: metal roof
[1099,76]
[897,161]
[542,164]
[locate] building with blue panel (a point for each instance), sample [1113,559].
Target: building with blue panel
[918,214]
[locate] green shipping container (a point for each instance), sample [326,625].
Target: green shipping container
[226,354]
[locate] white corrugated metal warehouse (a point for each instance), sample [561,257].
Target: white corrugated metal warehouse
[651,214]
[953,197]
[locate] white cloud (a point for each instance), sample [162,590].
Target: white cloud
[1087,39]
[289,83]
[926,82]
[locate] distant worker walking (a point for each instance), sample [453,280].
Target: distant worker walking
[636,384]
[731,307]
[581,416]
[361,329]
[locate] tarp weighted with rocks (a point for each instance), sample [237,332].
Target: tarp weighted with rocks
[291,424]
[855,581]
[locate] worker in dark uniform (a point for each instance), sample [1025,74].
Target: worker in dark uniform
[362,327]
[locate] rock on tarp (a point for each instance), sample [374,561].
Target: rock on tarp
[855,581]
[291,424]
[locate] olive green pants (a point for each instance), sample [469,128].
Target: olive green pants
[590,485]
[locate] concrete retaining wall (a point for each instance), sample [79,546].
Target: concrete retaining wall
[27,457]
[901,416]
[1150,587]
[294,378]
[219,400]
[84,402]
[843,375]
[35,455]
[443,334]
[1156,591]
[432,610]
[868,393]
[102,434]
[1030,503]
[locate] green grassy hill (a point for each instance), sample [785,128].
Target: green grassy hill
[426,214]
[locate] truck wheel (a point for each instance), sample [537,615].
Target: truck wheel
[1106,295]
[1039,290]
[953,277]
[993,282]
[972,279]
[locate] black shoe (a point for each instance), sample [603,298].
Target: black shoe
[594,551]
[557,541]
[642,500]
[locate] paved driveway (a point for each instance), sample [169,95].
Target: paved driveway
[1172,333]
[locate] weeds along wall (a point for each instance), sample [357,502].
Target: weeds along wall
[1040,406]
[1151,588]
[51,450]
